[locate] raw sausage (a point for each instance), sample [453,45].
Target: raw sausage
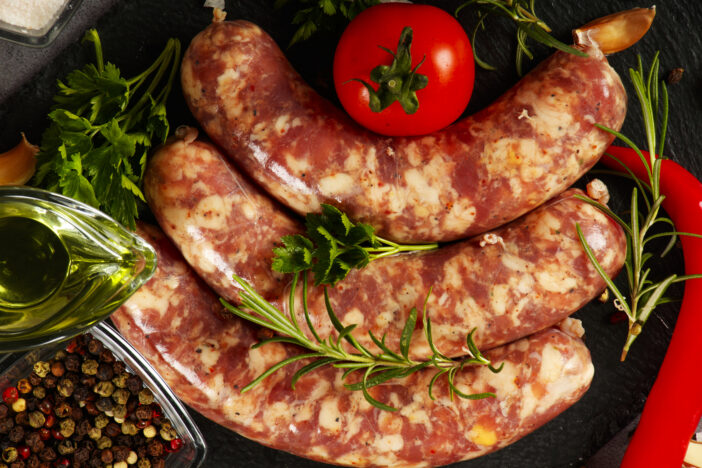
[533,275]
[206,358]
[473,176]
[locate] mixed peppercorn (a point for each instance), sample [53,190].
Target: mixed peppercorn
[83,409]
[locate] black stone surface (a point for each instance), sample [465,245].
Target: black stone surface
[134,32]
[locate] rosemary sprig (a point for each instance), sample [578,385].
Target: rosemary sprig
[528,26]
[644,294]
[375,369]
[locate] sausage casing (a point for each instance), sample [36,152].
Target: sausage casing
[473,176]
[206,357]
[533,276]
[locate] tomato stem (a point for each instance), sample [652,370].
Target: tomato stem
[398,81]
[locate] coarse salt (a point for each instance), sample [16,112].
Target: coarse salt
[30,14]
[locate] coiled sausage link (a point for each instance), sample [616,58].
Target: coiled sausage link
[206,358]
[473,176]
[534,275]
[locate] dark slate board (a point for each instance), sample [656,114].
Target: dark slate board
[133,33]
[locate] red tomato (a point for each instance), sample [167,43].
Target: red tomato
[437,38]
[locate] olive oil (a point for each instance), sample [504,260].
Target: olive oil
[63,267]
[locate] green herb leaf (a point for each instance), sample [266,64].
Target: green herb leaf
[322,15]
[376,368]
[528,25]
[334,246]
[102,128]
[644,294]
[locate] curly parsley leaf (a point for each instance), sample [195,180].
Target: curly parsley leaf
[334,246]
[102,127]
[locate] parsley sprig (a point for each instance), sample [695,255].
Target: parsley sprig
[330,15]
[644,294]
[333,246]
[529,26]
[102,127]
[375,369]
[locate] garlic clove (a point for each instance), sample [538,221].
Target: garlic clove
[17,165]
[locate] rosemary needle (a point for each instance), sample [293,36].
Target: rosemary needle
[644,294]
[374,368]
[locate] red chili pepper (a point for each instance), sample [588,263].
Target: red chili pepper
[674,405]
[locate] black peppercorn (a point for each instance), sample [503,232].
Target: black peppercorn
[107,356]
[83,427]
[88,380]
[91,409]
[34,442]
[105,371]
[123,440]
[49,382]
[158,463]
[134,384]
[22,419]
[112,430]
[72,363]
[118,367]
[34,379]
[106,456]
[104,404]
[6,424]
[132,404]
[4,410]
[16,434]
[120,452]
[33,461]
[143,412]
[81,455]
[81,394]
[155,448]
[47,454]
[76,413]
[95,346]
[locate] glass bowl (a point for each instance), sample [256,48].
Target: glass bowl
[65,267]
[193,452]
[43,36]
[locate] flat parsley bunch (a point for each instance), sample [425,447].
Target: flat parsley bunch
[102,127]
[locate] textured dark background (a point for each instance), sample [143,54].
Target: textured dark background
[133,33]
